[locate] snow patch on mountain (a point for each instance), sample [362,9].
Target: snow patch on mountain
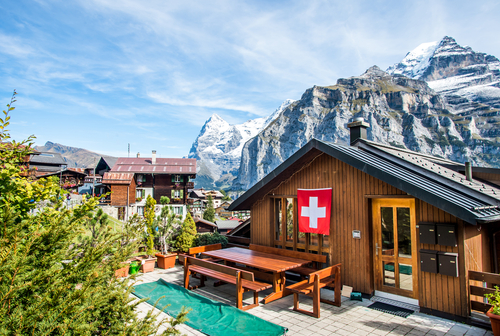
[416,61]
[218,147]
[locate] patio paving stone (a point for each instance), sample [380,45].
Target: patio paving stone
[352,318]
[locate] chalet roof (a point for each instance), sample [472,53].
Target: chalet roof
[76,171]
[227,224]
[202,193]
[48,158]
[241,228]
[117,178]
[162,166]
[204,221]
[424,177]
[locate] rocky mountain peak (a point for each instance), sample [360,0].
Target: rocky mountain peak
[375,71]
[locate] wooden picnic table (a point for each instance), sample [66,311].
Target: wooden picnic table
[271,267]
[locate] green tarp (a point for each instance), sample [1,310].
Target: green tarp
[208,316]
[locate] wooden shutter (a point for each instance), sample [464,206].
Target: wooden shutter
[182,193]
[173,178]
[143,193]
[182,178]
[173,193]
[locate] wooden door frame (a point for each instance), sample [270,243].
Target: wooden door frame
[376,233]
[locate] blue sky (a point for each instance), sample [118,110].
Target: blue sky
[101,74]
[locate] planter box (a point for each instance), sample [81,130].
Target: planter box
[495,322]
[166,261]
[122,272]
[147,264]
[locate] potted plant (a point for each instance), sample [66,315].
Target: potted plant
[123,270]
[494,312]
[166,222]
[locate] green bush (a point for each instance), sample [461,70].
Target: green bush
[49,283]
[209,239]
[186,237]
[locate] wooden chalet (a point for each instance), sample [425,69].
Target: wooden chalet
[45,162]
[131,180]
[204,226]
[69,178]
[404,225]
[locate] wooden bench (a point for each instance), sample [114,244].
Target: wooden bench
[193,251]
[312,287]
[316,259]
[243,280]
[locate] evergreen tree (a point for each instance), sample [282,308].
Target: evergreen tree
[149,217]
[187,235]
[209,213]
[49,283]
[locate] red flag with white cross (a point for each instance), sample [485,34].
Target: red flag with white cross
[314,210]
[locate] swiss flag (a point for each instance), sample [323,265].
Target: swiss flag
[314,210]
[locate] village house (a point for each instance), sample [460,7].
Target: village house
[404,225]
[93,181]
[47,162]
[222,211]
[204,226]
[131,180]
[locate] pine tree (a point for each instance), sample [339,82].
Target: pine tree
[209,213]
[49,283]
[187,235]
[149,216]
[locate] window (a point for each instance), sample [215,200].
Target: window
[140,210]
[177,178]
[286,233]
[178,211]
[140,193]
[141,178]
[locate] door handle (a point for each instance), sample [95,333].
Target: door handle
[376,248]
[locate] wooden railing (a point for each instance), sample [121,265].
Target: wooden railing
[238,240]
[481,283]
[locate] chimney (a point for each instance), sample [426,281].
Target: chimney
[468,171]
[153,157]
[138,154]
[358,129]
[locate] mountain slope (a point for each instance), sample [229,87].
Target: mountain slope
[74,156]
[402,112]
[468,80]
[218,148]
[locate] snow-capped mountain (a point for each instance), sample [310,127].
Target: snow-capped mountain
[218,147]
[401,111]
[468,80]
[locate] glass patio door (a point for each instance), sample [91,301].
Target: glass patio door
[394,243]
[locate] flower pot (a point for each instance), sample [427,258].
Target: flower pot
[134,267]
[166,261]
[122,272]
[148,264]
[495,322]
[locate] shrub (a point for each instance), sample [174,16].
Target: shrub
[209,239]
[50,284]
[187,234]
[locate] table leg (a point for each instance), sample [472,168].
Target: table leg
[279,290]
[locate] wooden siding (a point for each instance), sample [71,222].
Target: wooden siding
[119,194]
[441,292]
[351,210]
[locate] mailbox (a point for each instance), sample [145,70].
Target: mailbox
[448,263]
[446,234]
[427,233]
[428,261]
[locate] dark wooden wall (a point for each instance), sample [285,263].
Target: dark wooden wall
[119,194]
[163,187]
[351,210]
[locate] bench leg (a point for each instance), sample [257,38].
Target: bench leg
[186,277]
[255,302]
